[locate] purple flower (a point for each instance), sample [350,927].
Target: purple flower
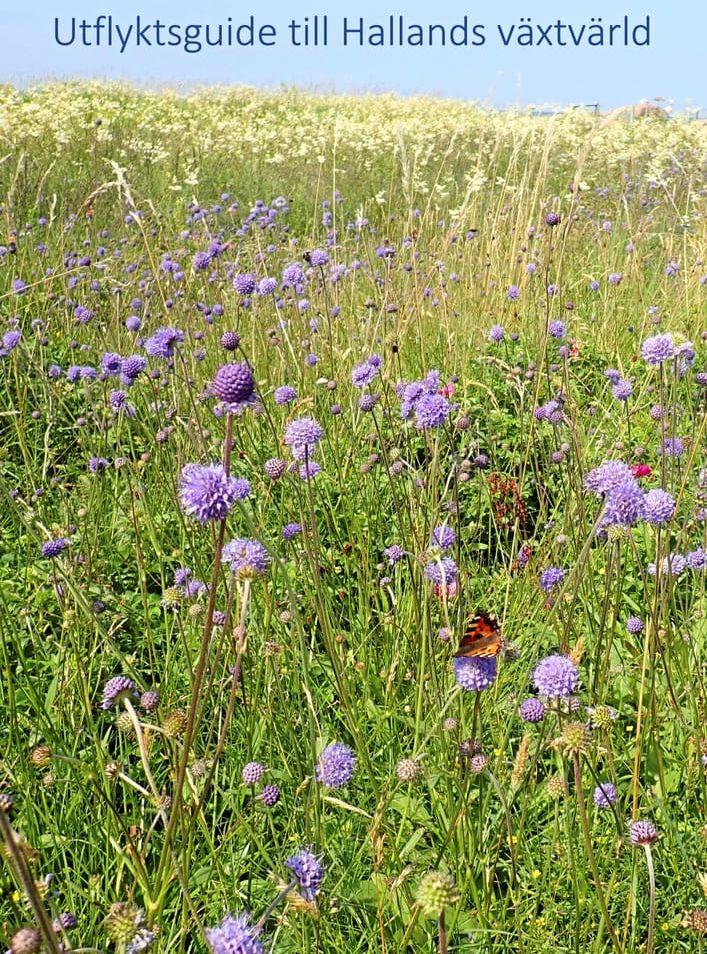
[624,506]
[234,935]
[513,294]
[244,283]
[270,795]
[291,530]
[642,833]
[443,571]
[131,367]
[496,333]
[622,390]
[111,364]
[336,765]
[394,554]
[309,872]
[604,795]
[309,470]
[365,373]
[285,394]
[207,492]
[552,219]
[302,436]
[658,349]
[431,410]
[163,342]
[318,257]
[697,559]
[234,384]
[557,329]
[443,537]
[556,677]
[52,548]
[116,689]
[608,476]
[532,710]
[247,558]
[551,578]
[659,506]
[674,564]
[673,447]
[634,625]
[475,673]
[252,773]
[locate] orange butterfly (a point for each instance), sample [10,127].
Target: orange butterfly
[482,638]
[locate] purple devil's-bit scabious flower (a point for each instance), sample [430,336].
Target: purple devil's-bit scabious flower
[673,447]
[622,390]
[532,710]
[556,677]
[634,625]
[274,468]
[252,773]
[608,477]
[394,554]
[52,548]
[291,530]
[496,333]
[116,689]
[163,342]
[431,411]
[552,219]
[244,283]
[443,572]
[230,340]
[443,537]
[365,373]
[604,795]
[557,329]
[302,436]
[659,506]
[207,492]
[624,506]
[234,384]
[285,394]
[551,578]
[248,559]
[658,349]
[270,795]
[234,935]
[512,294]
[309,470]
[642,833]
[697,559]
[309,872]
[336,765]
[475,673]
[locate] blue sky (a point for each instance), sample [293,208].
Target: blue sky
[673,67]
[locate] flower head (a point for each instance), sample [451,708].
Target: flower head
[435,892]
[308,871]
[207,492]
[234,935]
[302,436]
[658,349]
[248,559]
[116,689]
[642,833]
[556,677]
[336,765]
[475,673]
[659,506]
[604,795]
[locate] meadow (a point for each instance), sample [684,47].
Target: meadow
[353,525]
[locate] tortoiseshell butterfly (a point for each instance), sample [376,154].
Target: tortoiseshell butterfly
[482,638]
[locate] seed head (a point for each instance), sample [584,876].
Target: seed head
[26,941]
[435,892]
[175,723]
[407,770]
[41,756]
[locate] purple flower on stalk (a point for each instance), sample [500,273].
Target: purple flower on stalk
[532,710]
[285,394]
[336,765]
[308,871]
[302,436]
[604,795]
[624,506]
[674,564]
[475,673]
[496,333]
[244,283]
[608,477]
[642,833]
[163,342]
[551,578]
[431,411]
[622,390]
[673,447]
[365,373]
[291,530]
[394,554]
[557,329]
[207,492]
[443,572]
[443,537]
[270,796]
[658,349]
[234,935]
[309,470]
[52,548]
[697,559]
[634,625]
[234,384]
[659,506]
[117,689]
[252,773]
[556,677]
[248,559]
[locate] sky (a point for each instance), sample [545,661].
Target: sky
[672,68]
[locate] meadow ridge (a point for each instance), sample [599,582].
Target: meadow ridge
[353,527]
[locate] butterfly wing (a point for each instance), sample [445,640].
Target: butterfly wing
[482,638]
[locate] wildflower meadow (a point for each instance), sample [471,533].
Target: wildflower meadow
[352,527]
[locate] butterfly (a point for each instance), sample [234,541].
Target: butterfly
[482,638]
